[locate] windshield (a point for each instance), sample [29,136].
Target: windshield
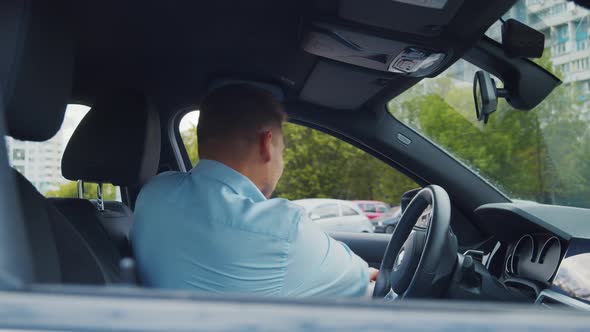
[542,155]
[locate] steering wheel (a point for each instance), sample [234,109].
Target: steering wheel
[421,255]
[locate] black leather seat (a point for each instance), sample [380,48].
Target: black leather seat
[117,142]
[36,65]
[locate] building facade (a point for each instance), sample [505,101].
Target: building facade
[565,26]
[40,163]
[566,29]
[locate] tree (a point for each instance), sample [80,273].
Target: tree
[189,138]
[318,165]
[538,155]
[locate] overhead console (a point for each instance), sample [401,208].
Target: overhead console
[374,52]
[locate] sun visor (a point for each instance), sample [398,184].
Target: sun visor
[340,86]
[373,52]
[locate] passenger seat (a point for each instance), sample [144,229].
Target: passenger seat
[36,64]
[117,142]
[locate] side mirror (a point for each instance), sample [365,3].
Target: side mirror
[314,216]
[485,95]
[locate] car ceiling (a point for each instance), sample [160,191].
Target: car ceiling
[174,50]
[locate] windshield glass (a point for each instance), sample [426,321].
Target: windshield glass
[542,155]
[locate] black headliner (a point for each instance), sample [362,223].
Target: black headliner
[174,49]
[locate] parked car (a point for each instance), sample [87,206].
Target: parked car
[372,209]
[335,215]
[387,222]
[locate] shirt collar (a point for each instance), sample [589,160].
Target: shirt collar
[230,177]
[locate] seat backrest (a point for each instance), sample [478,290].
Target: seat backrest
[111,224]
[36,66]
[117,219]
[82,215]
[59,251]
[127,156]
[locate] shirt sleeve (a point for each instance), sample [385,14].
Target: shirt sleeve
[318,265]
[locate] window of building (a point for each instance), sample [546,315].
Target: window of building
[581,27]
[18,154]
[562,33]
[44,171]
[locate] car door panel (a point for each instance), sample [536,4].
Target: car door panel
[369,247]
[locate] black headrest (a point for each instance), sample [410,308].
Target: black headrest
[36,64]
[117,142]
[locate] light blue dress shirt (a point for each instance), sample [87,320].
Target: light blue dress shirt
[212,230]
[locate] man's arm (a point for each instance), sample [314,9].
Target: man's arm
[318,265]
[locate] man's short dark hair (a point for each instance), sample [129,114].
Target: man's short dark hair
[238,109]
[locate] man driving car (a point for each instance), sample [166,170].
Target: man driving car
[216,228]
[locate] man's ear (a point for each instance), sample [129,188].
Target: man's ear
[265,145]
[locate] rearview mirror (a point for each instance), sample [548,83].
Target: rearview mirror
[485,95]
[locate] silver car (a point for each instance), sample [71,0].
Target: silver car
[335,215]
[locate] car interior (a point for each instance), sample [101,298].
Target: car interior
[142,65]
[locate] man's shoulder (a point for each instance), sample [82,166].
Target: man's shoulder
[162,185]
[276,217]
[165,179]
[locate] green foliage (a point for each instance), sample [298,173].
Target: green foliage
[540,155]
[70,190]
[318,165]
[189,138]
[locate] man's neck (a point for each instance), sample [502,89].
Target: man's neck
[242,167]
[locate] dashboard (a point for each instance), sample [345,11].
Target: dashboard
[541,251]
[534,257]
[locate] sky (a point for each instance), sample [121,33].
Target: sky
[73,116]
[190,119]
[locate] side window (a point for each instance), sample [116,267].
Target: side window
[382,209]
[325,211]
[318,165]
[347,211]
[188,133]
[370,207]
[40,162]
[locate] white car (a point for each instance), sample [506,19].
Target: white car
[335,215]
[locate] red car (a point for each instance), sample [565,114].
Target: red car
[373,209]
